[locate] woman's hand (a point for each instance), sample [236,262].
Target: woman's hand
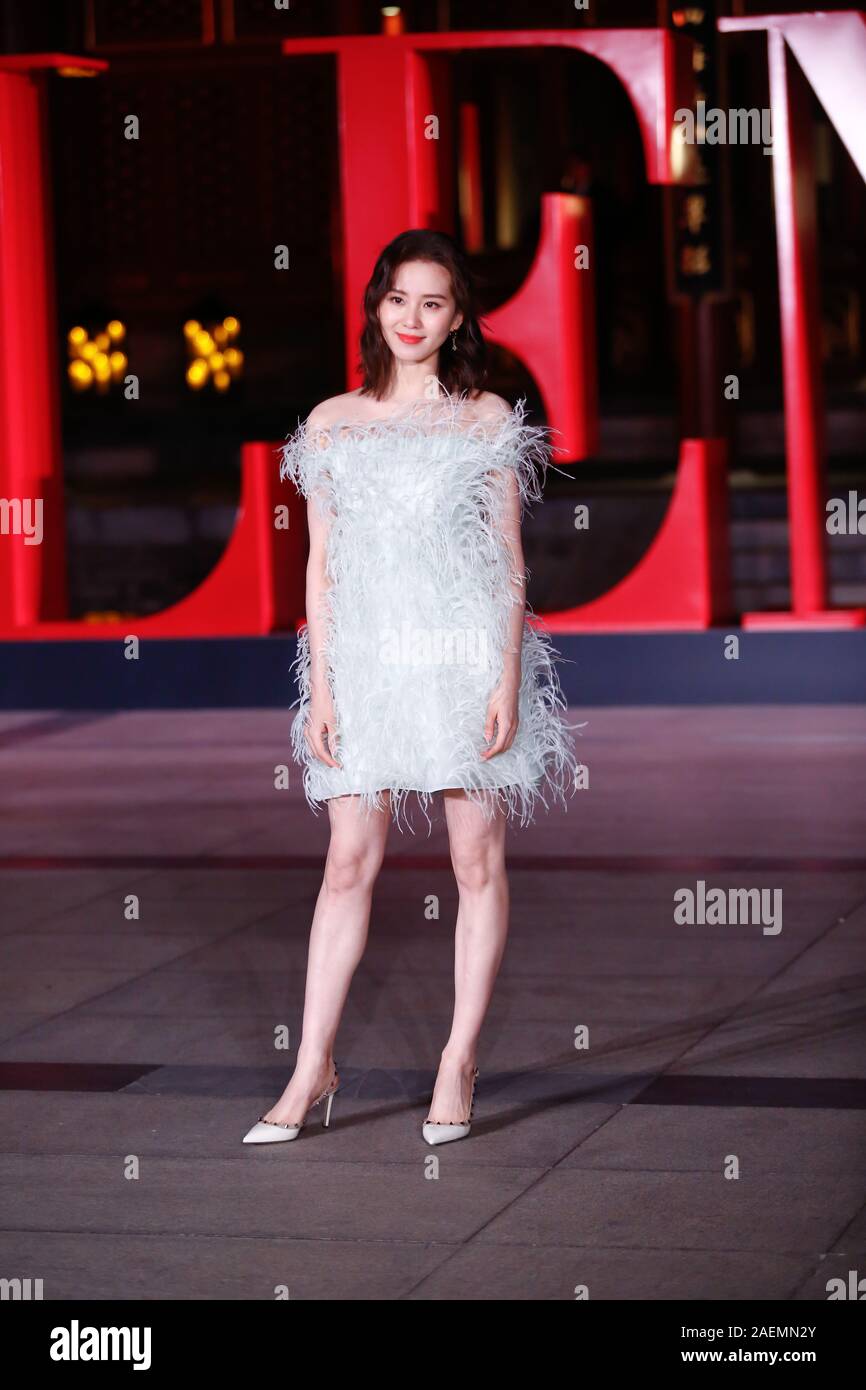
[502,713]
[321,727]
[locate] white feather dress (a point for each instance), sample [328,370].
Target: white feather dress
[415,616]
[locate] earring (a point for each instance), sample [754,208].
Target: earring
[454,340]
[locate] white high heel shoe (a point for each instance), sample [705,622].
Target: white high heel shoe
[275,1132]
[441,1132]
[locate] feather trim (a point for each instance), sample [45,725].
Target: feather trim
[415,503]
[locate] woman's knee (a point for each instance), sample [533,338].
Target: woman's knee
[351,866]
[476,862]
[357,845]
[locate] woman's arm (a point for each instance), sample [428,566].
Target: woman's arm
[513,539]
[321,731]
[501,723]
[503,706]
[317,587]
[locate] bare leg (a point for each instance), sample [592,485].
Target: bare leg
[478,858]
[337,939]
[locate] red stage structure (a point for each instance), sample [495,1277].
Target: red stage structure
[32,577]
[830,50]
[388,86]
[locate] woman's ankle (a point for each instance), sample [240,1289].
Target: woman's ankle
[314,1060]
[458,1056]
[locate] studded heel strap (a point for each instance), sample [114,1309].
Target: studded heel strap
[471,1107]
[332,1086]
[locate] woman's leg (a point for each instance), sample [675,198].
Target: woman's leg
[478,858]
[337,939]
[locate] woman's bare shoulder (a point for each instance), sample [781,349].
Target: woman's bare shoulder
[488,406]
[334,408]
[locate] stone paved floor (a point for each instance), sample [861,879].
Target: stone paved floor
[134,1054]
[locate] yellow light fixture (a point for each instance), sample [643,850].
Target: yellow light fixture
[118,361]
[197,373]
[234,360]
[95,362]
[211,359]
[80,375]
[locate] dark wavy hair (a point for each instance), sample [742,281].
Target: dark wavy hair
[461,368]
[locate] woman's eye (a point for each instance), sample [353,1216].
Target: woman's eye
[398,299]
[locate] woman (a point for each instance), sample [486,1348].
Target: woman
[418,669]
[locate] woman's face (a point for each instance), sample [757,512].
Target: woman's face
[419,311]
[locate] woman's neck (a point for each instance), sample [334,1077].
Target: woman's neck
[414,381]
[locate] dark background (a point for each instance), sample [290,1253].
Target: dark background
[238,153]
